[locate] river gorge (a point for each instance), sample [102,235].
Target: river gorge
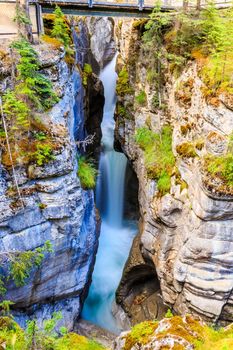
[153,235]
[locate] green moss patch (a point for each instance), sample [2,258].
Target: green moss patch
[141,98]
[140,334]
[159,158]
[186,150]
[122,86]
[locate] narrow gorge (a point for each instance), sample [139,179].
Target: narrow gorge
[116,183]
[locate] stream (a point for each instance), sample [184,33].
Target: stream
[116,233]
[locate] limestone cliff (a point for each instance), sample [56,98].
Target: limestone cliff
[56,208]
[185,241]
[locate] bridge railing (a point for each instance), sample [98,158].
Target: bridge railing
[170,4]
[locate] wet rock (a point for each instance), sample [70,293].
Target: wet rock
[102,40]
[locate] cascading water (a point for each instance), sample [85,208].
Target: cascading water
[116,234]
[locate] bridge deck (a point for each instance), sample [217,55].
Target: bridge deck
[70,6]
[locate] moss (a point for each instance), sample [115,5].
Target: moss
[199,144]
[164,183]
[42,206]
[141,98]
[54,42]
[151,75]
[185,128]
[186,150]
[73,341]
[184,92]
[122,86]
[87,72]
[220,166]
[200,336]
[140,334]
[139,23]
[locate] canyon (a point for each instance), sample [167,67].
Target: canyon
[179,256]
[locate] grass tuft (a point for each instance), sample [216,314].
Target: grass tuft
[159,158]
[87,173]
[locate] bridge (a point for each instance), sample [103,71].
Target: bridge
[122,8]
[136,8]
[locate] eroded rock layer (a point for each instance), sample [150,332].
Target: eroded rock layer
[187,233]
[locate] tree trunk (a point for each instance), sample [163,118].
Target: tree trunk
[185,5]
[198,5]
[22,10]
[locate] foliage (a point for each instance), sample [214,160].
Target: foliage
[56,43]
[140,334]
[169,314]
[43,154]
[207,38]
[5,307]
[60,29]
[219,170]
[17,265]
[58,34]
[21,16]
[141,98]
[87,72]
[159,159]
[87,173]
[186,149]
[16,111]
[45,338]
[193,331]
[122,86]
[152,41]
[87,69]
[221,166]
[33,91]
[33,87]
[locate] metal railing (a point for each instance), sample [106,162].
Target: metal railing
[140,4]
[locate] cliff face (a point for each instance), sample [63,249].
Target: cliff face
[56,208]
[185,241]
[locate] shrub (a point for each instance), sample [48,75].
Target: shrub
[169,314]
[141,98]
[145,138]
[43,154]
[164,183]
[87,72]
[18,265]
[122,86]
[221,166]
[159,159]
[87,173]
[186,149]
[45,337]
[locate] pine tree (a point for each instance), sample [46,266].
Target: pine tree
[60,29]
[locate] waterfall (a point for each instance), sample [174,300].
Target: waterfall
[116,234]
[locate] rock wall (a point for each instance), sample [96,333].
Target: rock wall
[67,216]
[186,234]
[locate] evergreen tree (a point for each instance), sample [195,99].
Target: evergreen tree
[60,29]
